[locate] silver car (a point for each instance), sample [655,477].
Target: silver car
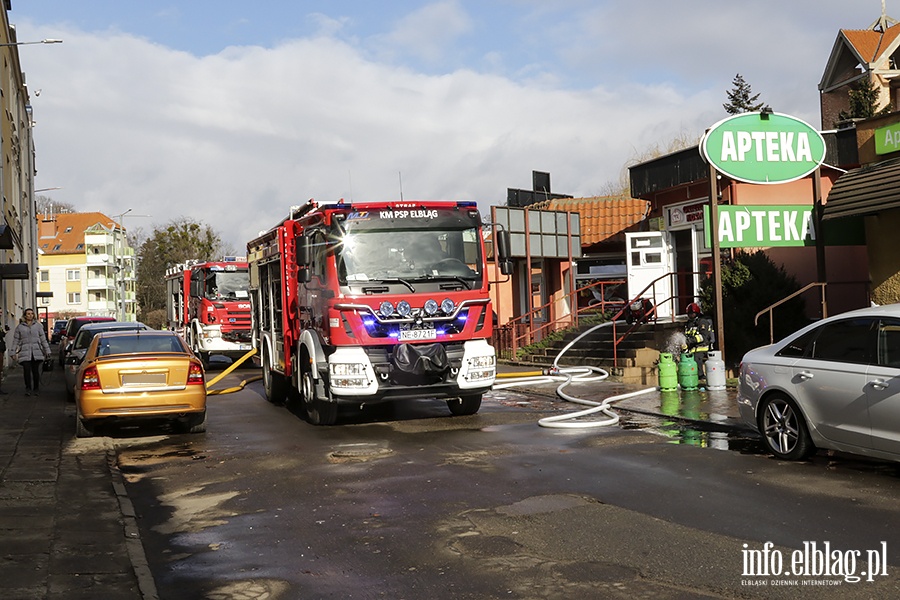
[80,345]
[828,385]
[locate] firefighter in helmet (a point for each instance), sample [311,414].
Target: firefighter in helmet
[700,337]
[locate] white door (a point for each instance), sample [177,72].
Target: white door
[649,257]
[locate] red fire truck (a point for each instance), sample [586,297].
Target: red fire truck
[358,303]
[208,304]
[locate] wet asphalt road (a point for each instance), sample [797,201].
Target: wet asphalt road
[408,502]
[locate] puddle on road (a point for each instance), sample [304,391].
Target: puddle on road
[699,434]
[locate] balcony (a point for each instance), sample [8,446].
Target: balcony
[101,283]
[101,307]
[98,259]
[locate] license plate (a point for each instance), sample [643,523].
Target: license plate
[417,334]
[140,379]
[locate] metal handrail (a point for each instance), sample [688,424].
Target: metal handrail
[771,308]
[652,285]
[528,336]
[571,318]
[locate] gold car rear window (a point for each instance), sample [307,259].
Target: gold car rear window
[138,344]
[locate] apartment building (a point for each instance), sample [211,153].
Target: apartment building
[18,259]
[86,264]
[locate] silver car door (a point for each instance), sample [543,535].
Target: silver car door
[883,389]
[831,384]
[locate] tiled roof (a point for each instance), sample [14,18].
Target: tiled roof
[602,217]
[871,44]
[62,233]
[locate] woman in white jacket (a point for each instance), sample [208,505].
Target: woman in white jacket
[32,348]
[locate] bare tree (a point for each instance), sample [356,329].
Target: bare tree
[45,205]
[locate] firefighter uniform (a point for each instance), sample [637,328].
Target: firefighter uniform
[699,336]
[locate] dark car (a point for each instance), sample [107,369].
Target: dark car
[72,328]
[59,326]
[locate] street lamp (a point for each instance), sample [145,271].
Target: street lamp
[44,41]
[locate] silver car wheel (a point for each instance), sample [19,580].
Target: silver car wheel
[784,429]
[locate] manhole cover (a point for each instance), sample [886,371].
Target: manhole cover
[358,452]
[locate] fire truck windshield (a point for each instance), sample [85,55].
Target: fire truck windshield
[409,254]
[227,285]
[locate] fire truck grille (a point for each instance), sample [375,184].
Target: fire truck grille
[236,336]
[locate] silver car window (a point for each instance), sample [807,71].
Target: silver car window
[849,341]
[799,347]
[889,343]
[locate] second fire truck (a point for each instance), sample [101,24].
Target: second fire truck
[366,302]
[208,304]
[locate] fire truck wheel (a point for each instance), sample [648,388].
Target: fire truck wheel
[318,411]
[466,405]
[273,383]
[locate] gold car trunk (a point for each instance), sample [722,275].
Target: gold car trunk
[118,376]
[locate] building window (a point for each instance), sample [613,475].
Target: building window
[68,230]
[79,247]
[45,275]
[73,298]
[73,275]
[57,247]
[44,301]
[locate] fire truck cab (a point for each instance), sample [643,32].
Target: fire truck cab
[208,304]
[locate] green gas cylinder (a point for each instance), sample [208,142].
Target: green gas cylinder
[688,378]
[668,377]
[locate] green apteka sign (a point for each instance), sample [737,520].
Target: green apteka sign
[761,147]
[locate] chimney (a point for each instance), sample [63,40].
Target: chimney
[48,228]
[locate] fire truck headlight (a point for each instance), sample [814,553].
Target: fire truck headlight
[431,307]
[348,375]
[386,309]
[403,308]
[447,306]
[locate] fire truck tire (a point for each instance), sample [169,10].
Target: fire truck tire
[465,405]
[318,411]
[273,383]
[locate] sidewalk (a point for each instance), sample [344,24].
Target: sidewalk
[67,528]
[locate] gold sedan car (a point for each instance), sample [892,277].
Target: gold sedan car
[127,375]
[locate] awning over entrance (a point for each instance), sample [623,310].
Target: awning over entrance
[865,191]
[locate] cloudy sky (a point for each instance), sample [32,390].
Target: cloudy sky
[229,111]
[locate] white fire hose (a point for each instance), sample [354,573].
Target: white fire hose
[568,375]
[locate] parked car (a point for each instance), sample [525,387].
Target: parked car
[79,346]
[72,328]
[59,326]
[145,374]
[832,385]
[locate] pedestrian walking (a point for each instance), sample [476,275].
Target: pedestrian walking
[32,348]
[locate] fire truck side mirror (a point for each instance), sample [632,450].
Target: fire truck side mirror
[304,259]
[303,251]
[506,266]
